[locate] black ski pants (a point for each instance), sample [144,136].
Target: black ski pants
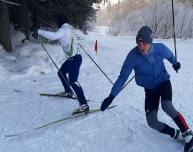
[152,101]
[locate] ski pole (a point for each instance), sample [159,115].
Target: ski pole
[127,83]
[96,64]
[58,69]
[102,70]
[174,32]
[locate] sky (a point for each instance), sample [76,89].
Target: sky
[114,1]
[102,3]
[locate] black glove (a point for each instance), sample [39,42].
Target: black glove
[107,101]
[35,34]
[177,66]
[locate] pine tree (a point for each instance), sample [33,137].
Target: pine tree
[5,38]
[30,14]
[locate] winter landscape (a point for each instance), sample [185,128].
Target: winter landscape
[27,72]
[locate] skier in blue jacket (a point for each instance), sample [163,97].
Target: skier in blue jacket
[73,60]
[146,59]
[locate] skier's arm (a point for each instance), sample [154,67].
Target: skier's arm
[52,35]
[167,54]
[124,74]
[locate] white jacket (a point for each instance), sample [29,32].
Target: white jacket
[67,38]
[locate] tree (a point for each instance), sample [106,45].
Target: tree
[23,19]
[30,14]
[5,38]
[155,13]
[77,11]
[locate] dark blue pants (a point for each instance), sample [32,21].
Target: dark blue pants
[72,67]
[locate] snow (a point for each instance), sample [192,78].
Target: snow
[28,72]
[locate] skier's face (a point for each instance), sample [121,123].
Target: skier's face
[143,47]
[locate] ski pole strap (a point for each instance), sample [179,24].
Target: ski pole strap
[174,32]
[96,64]
[58,70]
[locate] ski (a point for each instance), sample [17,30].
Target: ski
[58,121]
[58,95]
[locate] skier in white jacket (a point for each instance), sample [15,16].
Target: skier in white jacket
[66,35]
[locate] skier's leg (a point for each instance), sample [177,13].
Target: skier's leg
[79,92]
[168,108]
[62,75]
[151,109]
[73,79]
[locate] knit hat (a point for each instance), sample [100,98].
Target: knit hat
[144,35]
[61,19]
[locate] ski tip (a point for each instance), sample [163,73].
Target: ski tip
[14,135]
[8,136]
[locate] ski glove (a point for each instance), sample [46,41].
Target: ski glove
[177,66]
[107,101]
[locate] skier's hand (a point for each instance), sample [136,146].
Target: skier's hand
[107,101]
[35,34]
[177,66]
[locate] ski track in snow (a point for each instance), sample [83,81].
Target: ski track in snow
[28,72]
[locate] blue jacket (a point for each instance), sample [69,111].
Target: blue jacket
[149,69]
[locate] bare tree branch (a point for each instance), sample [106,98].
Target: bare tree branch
[11,3]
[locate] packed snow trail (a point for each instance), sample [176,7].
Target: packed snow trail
[28,71]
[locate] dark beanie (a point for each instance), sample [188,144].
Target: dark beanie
[144,35]
[61,19]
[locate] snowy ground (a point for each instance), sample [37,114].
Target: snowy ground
[28,72]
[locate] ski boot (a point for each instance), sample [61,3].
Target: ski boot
[188,138]
[178,136]
[82,109]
